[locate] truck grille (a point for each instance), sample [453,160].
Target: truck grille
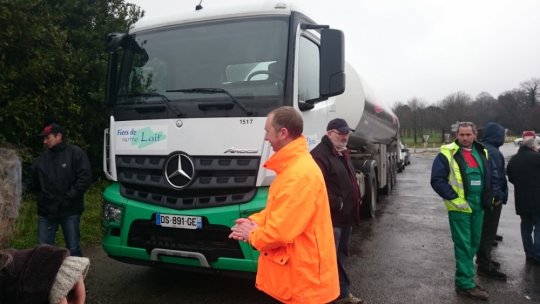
[218,181]
[212,241]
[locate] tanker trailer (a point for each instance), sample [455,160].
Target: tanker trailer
[374,143]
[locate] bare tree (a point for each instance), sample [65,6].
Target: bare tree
[456,107]
[512,110]
[434,119]
[484,109]
[417,107]
[532,89]
[405,116]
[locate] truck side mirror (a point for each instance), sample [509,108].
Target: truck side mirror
[112,75]
[116,41]
[332,64]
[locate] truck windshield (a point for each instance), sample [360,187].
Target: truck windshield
[244,57]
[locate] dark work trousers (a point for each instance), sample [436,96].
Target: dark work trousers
[489,230]
[530,235]
[341,238]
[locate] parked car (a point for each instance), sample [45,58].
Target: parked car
[404,157]
[407,154]
[518,141]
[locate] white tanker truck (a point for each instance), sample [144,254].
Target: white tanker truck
[185,147]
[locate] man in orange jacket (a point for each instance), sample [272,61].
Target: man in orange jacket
[294,234]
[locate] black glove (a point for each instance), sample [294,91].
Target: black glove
[487,204]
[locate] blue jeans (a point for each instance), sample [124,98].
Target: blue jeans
[530,235]
[341,238]
[70,228]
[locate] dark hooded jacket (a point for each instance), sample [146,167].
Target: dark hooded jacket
[63,174]
[340,179]
[524,172]
[492,140]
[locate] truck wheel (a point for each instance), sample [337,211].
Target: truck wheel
[391,179]
[369,201]
[388,188]
[394,175]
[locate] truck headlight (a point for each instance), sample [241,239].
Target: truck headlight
[112,213]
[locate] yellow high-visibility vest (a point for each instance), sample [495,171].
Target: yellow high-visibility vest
[455,179]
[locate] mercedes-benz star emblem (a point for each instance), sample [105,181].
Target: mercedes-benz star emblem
[179,170]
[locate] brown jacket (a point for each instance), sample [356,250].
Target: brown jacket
[28,279]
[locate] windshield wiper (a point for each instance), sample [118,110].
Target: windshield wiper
[164,99]
[214,91]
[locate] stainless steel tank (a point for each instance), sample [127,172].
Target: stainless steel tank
[373,121]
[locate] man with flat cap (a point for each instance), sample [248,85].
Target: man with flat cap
[333,158]
[63,174]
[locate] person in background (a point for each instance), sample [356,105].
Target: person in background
[461,176]
[63,174]
[523,171]
[293,233]
[333,158]
[493,138]
[44,274]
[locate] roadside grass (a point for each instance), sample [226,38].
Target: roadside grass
[435,140]
[25,231]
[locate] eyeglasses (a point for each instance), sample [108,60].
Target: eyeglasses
[466,124]
[340,133]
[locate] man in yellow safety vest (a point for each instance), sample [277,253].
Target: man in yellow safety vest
[461,176]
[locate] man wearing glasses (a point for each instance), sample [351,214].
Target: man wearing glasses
[333,158]
[461,176]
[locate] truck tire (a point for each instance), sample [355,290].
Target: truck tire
[388,188]
[391,178]
[370,198]
[394,173]
[369,201]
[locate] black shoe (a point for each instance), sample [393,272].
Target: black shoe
[498,238]
[533,261]
[480,287]
[492,274]
[475,293]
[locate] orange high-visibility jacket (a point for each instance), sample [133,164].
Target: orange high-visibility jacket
[297,262]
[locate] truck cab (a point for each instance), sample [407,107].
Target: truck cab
[189,95]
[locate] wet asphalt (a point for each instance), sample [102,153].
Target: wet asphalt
[404,255]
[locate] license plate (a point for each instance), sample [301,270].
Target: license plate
[179,221]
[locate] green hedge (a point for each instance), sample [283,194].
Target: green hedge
[25,233]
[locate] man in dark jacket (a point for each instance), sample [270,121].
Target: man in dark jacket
[461,175]
[493,138]
[524,172]
[333,158]
[63,174]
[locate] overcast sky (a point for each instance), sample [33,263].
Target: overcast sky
[422,48]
